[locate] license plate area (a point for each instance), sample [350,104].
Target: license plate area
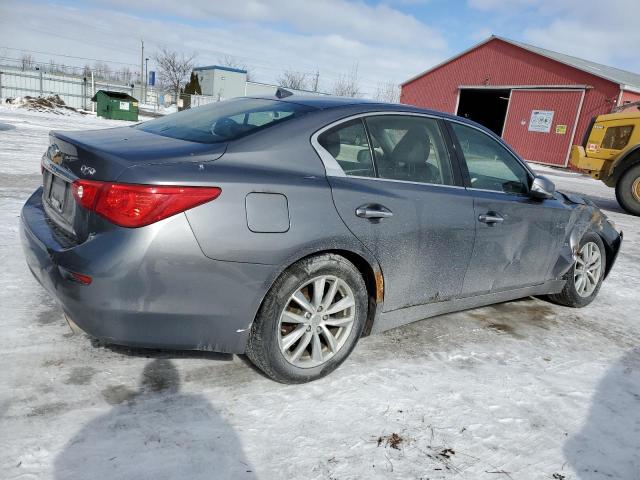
[58,200]
[58,194]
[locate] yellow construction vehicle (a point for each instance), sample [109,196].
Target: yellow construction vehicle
[611,153]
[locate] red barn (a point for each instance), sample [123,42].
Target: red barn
[539,101]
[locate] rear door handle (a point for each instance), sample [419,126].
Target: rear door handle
[490,218]
[373,211]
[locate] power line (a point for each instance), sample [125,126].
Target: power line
[68,56]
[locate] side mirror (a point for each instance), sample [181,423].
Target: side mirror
[542,188]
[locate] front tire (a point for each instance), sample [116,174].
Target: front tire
[310,320]
[628,190]
[585,277]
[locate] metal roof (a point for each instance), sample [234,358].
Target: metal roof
[220,67]
[627,80]
[116,95]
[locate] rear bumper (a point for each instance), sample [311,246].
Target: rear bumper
[151,287]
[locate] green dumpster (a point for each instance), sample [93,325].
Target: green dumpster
[116,105]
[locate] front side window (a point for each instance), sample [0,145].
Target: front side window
[490,165]
[616,138]
[224,121]
[347,143]
[410,148]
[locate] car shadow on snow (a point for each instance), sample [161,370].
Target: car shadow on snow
[608,445]
[155,431]
[158,353]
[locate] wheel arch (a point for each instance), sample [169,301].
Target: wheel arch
[366,265]
[625,162]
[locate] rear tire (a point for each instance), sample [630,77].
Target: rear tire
[310,320]
[582,286]
[628,190]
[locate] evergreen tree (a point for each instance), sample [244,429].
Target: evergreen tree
[193,86]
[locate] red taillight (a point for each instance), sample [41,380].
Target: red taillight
[86,192]
[81,278]
[75,276]
[130,205]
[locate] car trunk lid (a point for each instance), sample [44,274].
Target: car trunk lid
[104,155]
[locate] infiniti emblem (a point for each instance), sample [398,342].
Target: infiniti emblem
[87,170]
[54,154]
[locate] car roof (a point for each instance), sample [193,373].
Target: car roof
[319,101]
[363,105]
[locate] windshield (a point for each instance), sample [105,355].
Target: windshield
[224,121]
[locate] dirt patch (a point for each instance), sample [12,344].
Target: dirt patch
[117,394]
[53,363]
[47,409]
[447,453]
[51,104]
[394,441]
[512,318]
[507,329]
[160,376]
[80,376]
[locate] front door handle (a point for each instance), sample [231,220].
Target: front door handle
[490,218]
[373,211]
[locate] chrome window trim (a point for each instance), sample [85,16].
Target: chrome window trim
[442,185]
[523,195]
[333,168]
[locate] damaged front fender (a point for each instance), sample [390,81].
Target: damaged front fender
[585,217]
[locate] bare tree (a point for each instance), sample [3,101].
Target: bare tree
[291,79]
[388,92]
[315,81]
[348,85]
[101,70]
[27,61]
[173,69]
[125,75]
[233,62]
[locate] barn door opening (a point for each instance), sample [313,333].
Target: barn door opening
[488,107]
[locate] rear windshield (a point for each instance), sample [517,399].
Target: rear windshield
[224,121]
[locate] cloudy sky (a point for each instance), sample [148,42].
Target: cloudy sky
[388,41]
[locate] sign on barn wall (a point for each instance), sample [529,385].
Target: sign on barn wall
[541,121]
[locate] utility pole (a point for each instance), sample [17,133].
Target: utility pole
[146,78]
[316,80]
[141,68]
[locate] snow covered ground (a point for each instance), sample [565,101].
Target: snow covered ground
[521,390]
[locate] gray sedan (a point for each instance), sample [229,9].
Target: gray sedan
[259,226]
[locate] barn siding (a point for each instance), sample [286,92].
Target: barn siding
[551,148]
[498,63]
[629,97]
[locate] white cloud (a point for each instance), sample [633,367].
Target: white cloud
[603,32]
[386,44]
[500,4]
[354,19]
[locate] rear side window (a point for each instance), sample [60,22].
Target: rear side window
[410,148]
[347,143]
[224,121]
[616,138]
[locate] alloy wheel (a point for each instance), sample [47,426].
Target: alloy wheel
[316,321]
[635,189]
[588,269]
